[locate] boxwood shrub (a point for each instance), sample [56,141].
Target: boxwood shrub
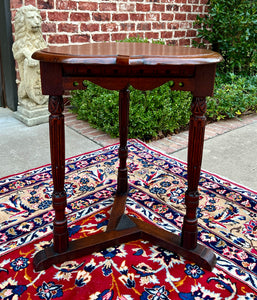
[234,95]
[159,112]
[152,113]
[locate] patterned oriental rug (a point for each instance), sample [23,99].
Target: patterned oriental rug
[138,269]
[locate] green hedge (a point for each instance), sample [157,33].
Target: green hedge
[152,113]
[162,111]
[233,95]
[231,28]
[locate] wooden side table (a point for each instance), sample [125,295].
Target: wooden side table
[115,66]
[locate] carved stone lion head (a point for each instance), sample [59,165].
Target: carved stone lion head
[27,20]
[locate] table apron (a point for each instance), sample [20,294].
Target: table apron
[118,83]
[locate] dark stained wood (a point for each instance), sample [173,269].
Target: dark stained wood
[132,53]
[140,83]
[200,254]
[122,180]
[195,149]
[122,184]
[57,147]
[118,209]
[53,80]
[116,66]
[47,257]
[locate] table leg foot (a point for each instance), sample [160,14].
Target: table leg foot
[201,255]
[128,229]
[84,246]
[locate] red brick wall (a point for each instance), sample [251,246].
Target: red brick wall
[82,21]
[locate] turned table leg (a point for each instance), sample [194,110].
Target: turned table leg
[57,146]
[122,184]
[123,228]
[122,180]
[195,150]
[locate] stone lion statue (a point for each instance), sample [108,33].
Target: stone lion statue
[28,39]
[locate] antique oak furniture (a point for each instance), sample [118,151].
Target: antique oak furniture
[115,66]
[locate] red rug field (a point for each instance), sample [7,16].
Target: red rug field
[136,270]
